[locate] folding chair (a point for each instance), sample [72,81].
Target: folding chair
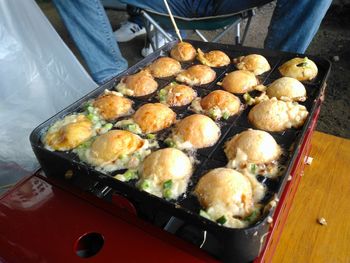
[225,23]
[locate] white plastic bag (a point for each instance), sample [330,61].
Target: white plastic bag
[39,76]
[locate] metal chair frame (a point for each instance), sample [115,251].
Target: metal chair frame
[236,26]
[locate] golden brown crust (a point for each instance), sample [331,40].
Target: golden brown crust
[197,75]
[166,164]
[286,87]
[276,115]
[141,83]
[111,106]
[254,63]
[239,81]
[227,189]
[153,117]
[224,100]
[183,51]
[199,130]
[258,146]
[180,95]
[164,67]
[214,58]
[111,145]
[299,68]
[70,135]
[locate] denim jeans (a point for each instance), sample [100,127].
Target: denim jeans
[90,29]
[293,25]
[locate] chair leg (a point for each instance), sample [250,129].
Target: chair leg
[238,34]
[148,33]
[156,25]
[201,35]
[246,29]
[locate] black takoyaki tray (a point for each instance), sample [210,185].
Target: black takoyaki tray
[227,244]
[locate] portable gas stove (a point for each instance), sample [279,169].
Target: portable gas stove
[86,215]
[45,220]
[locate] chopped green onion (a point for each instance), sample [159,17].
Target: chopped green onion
[87,105]
[173,82]
[108,126]
[131,127]
[122,157]
[253,216]
[130,175]
[85,145]
[145,185]
[248,99]
[221,220]
[167,193]
[90,109]
[168,184]
[138,155]
[253,168]
[213,113]
[151,136]
[163,92]
[162,98]
[226,115]
[105,128]
[169,142]
[92,117]
[204,214]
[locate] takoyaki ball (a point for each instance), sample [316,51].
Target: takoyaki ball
[253,146]
[137,85]
[176,95]
[225,192]
[112,106]
[299,68]
[109,147]
[214,58]
[239,81]
[164,67]
[276,115]
[68,133]
[221,104]
[197,75]
[165,173]
[287,88]
[254,63]
[153,117]
[195,131]
[183,52]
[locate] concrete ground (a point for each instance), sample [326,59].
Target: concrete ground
[332,40]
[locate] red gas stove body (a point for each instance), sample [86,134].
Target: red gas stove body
[43,220]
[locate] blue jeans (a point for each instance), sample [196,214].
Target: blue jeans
[89,27]
[293,25]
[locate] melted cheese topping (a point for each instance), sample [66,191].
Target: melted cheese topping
[129,125]
[127,161]
[240,163]
[123,89]
[215,112]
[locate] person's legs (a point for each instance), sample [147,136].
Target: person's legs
[87,23]
[295,23]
